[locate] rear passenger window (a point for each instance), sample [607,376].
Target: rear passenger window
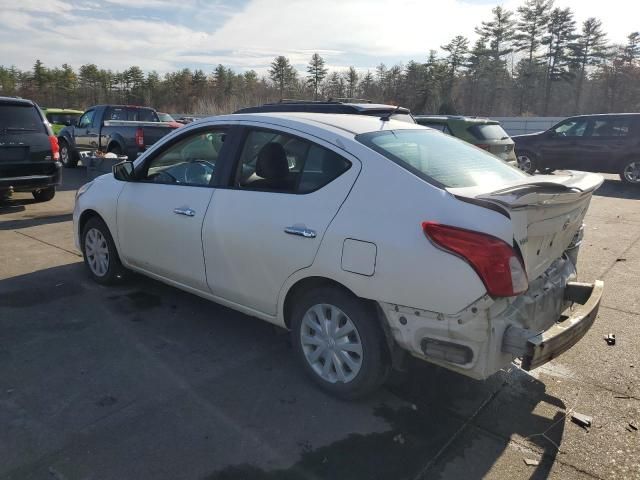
[611,127]
[276,162]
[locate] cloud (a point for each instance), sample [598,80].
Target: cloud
[165,35]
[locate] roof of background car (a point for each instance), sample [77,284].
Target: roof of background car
[349,123]
[16,101]
[61,110]
[323,107]
[446,118]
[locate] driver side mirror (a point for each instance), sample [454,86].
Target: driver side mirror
[124,171]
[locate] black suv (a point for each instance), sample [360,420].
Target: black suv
[28,150]
[355,107]
[607,143]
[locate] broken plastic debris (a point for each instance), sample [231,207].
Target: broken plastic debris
[531,462]
[581,419]
[610,339]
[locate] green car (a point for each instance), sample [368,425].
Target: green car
[481,132]
[61,117]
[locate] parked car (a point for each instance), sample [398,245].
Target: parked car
[362,108]
[61,117]
[28,150]
[165,117]
[360,235]
[120,129]
[608,143]
[481,132]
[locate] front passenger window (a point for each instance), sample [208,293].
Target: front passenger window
[190,161]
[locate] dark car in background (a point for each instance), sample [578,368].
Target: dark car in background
[481,132]
[119,129]
[603,143]
[28,150]
[334,106]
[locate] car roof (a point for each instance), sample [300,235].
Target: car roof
[16,101]
[443,119]
[348,125]
[61,110]
[596,115]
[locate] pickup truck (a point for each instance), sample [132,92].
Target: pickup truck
[121,129]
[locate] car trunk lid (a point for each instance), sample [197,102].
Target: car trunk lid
[546,213]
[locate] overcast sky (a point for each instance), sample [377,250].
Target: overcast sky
[166,35]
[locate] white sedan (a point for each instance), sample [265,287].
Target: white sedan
[368,238]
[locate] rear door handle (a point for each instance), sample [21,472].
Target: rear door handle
[301,231]
[184,211]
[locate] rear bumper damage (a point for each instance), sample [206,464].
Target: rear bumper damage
[490,333]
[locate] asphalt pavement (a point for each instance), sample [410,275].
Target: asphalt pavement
[143,381]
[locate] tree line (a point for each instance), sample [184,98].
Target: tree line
[533,61]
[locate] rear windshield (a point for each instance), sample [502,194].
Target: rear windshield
[488,132]
[441,159]
[20,118]
[62,118]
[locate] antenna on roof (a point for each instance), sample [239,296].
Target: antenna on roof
[387,116]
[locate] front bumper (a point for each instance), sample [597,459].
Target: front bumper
[40,176]
[564,334]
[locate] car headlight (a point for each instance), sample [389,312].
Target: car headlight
[83,189]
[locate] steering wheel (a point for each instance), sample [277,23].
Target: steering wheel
[163,173]
[199,174]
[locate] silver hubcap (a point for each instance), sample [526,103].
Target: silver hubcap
[331,343]
[524,163]
[632,172]
[64,154]
[97,251]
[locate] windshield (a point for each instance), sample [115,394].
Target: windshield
[488,132]
[20,117]
[441,159]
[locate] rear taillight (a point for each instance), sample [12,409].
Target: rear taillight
[140,137]
[497,264]
[483,146]
[55,148]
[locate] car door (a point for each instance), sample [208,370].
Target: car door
[83,131]
[558,148]
[160,215]
[284,190]
[606,143]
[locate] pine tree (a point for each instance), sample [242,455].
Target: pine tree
[457,48]
[352,82]
[588,49]
[282,74]
[632,49]
[317,73]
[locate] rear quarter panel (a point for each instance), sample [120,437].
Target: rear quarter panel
[387,206]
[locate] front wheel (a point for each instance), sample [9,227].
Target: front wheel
[44,194]
[527,162]
[630,173]
[100,254]
[67,156]
[339,342]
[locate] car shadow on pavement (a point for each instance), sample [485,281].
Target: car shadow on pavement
[618,189]
[17,224]
[142,375]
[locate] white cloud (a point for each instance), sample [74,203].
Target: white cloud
[360,32]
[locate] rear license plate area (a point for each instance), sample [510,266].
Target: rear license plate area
[10,154]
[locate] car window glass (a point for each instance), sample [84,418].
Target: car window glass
[190,161]
[141,115]
[571,128]
[86,120]
[610,127]
[273,161]
[20,117]
[428,155]
[116,113]
[488,132]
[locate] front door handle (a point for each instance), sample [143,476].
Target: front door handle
[184,211]
[301,231]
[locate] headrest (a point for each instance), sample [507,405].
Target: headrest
[272,162]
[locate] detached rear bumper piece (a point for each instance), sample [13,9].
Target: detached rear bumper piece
[545,346]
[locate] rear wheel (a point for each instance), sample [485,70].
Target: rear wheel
[630,173]
[527,162]
[339,342]
[100,254]
[44,194]
[115,148]
[68,157]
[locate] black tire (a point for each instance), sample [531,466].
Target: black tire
[44,194]
[527,161]
[114,272]
[374,363]
[68,157]
[630,172]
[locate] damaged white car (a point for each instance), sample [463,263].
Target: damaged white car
[367,237]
